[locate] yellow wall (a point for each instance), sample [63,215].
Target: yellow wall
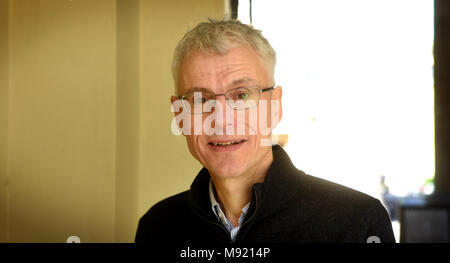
[62,120]
[85,141]
[4,98]
[127,119]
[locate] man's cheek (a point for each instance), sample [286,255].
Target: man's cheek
[194,146]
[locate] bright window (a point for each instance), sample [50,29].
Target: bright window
[357,88]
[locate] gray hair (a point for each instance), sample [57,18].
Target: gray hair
[220,36]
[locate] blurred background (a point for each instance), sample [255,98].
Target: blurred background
[85,140]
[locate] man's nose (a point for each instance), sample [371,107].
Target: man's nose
[221,122]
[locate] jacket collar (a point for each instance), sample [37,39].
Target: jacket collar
[278,188]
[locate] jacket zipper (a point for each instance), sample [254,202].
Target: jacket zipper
[249,220]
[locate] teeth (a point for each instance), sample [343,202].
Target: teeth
[226,143]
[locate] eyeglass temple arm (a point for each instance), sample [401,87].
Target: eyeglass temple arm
[266,89]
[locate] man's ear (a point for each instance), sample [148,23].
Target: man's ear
[276,96]
[173,99]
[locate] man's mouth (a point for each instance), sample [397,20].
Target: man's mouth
[225,144]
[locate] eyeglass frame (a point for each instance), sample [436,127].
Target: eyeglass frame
[183,97]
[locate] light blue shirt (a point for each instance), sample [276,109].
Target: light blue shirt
[221,215]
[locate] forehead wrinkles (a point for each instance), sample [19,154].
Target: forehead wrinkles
[221,76]
[216,71]
[229,73]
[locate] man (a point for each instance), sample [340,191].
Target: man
[248,190]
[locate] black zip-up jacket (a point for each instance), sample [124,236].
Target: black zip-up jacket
[289,207]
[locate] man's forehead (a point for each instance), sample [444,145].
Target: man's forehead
[208,70]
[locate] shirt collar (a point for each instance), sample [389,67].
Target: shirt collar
[218,210]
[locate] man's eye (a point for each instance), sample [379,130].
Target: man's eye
[242,96]
[200,100]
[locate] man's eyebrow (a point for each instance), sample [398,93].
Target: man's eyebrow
[241,81]
[235,82]
[196,89]
[199,89]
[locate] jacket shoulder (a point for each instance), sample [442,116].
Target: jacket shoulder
[321,190]
[338,200]
[360,214]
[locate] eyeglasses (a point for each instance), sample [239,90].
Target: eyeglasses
[237,99]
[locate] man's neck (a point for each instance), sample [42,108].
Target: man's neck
[234,193]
